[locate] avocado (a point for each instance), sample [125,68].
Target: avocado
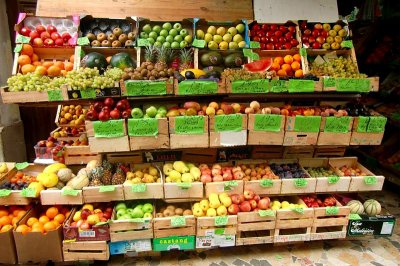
[211,59]
[234,60]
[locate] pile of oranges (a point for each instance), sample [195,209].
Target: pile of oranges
[29,62]
[290,65]
[10,216]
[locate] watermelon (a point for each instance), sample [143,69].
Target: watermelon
[372,207]
[355,206]
[122,61]
[259,65]
[92,60]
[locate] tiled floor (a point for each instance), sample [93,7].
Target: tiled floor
[363,251]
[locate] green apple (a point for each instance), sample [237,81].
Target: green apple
[227,37]
[240,28]
[183,44]
[136,113]
[213,45]
[137,213]
[232,31]
[233,46]
[144,35]
[178,38]
[162,108]
[164,32]
[148,207]
[140,206]
[146,116]
[208,37]
[153,35]
[175,45]
[167,26]
[221,31]
[173,32]
[157,28]
[160,39]
[326,27]
[237,38]
[169,38]
[158,44]
[148,215]
[177,26]
[167,44]
[188,38]
[158,115]
[242,44]
[162,112]
[121,212]
[120,206]
[200,34]
[147,28]
[212,30]
[183,32]
[217,38]
[151,41]
[151,111]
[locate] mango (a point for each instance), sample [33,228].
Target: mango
[180,167]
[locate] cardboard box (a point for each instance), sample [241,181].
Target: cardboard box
[223,135]
[174,243]
[380,225]
[8,253]
[261,137]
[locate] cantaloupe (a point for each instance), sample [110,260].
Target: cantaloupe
[372,207]
[355,206]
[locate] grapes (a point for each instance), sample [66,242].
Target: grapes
[338,68]
[242,74]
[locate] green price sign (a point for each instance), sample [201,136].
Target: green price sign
[353,85]
[228,122]
[28,192]
[333,179]
[300,182]
[255,56]
[303,52]
[193,87]
[307,123]
[354,216]
[55,95]
[254,45]
[250,86]
[298,210]
[247,52]
[192,125]
[88,94]
[332,210]
[83,41]
[329,82]
[184,185]
[177,221]
[199,43]
[220,220]
[109,129]
[265,122]
[301,85]
[145,88]
[18,48]
[143,127]
[362,125]
[22,39]
[139,188]
[228,185]
[21,166]
[370,180]
[143,42]
[277,85]
[376,124]
[264,213]
[337,124]
[266,183]
[347,44]
[5,192]
[69,192]
[109,188]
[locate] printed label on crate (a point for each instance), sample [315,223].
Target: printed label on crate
[145,88]
[22,39]
[190,87]
[28,192]
[264,122]
[83,41]
[370,180]
[5,192]
[237,153]
[332,210]
[220,220]
[337,124]
[174,243]
[87,233]
[189,125]
[228,122]
[69,192]
[122,247]
[18,48]
[376,124]
[329,82]
[298,210]
[301,85]
[250,86]
[277,85]
[264,213]
[161,156]
[139,188]
[143,127]
[88,94]
[333,179]
[109,188]
[353,85]
[55,95]
[215,241]
[178,221]
[21,166]
[382,225]
[307,123]
[266,183]
[199,43]
[300,182]
[109,129]
[228,185]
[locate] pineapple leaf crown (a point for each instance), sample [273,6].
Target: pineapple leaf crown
[186,55]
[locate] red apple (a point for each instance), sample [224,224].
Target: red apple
[274,39]
[292,29]
[59,42]
[34,34]
[270,46]
[235,198]
[316,45]
[40,28]
[278,33]
[273,27]
[260,33]
[283,29]
[104,116]
[245,206]
[248,194]
[205,178]
[241,198]
[84,226]
[98,106]
[304,38]
[263,204]
[311,39]
[51,29]
[315,33]
[288,35]
[270,34]
[66,36]
[320,39]
[253,33]
[44,35]
[263,39]
[78,223]
[127,113]
[109,102]
[318,26]
[324,34]
[255,27]
[38,42]
[233,209]
[115,114]
[253,204]
[48,42]
[257,198]
[256,39]
[25,31]
[287,46]
[121,106]
[282,40]
[55,36]
[294,42]
[307,32]
[85,213]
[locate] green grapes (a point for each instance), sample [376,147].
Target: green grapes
[338,68]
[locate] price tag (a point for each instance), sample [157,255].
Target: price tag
[254,45]
[184,185]
[18,48]
[145,88]
[109,129]
[83,41]
[332,210]
[22,39]
[301,85]
[267,122]
[278,85]
[300,182]
[109,188]
[370,180]
[220,220]
[255,56]
[228,122]
[143,127]
[69,192]
[337,124]
[303,52]
[354,216]
[264,213]
[199,43]
[178,221]
[362,125]
[247,52]
[353,85]
[229,184]
[333,179]
[347,44]
[21,166]
[193,87]
[329,82]
[5,192]
[266,183]
[55,95]
[298,210]
[28,192]
[192,125]
[250,86]
[376,124]
[143,42]
[139,188]
[307,123]
[219,231]
[88,94]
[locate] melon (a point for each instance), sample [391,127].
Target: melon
[372,207]
[259,65]
[355,206]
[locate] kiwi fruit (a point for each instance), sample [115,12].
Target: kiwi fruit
[111,37]
[95,43]
[150,67]
[143,72]
[125,76]
[129,43]
[168,213]
[162,74]
[117,31]
[122,38]
[106,43]
[187,212]
[179,211]
[91,36]
[131,36]
[116,44]
[101,37]
[159,215]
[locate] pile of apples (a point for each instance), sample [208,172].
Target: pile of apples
[349,171]
[217,173]
[42,36]
[89,216]
[213,108]
[274,37]
[322,36]
[108,109]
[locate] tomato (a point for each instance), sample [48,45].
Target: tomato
[19,175]
[14,180]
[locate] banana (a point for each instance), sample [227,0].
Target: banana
[3,168]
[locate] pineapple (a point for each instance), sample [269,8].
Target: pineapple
[107,173]
[186,59]
[95,176]
[119,177]
[163,57]
[149,56]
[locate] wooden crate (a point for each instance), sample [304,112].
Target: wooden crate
[206,225]
[163,225]
[11,170]
[198,87]
[93,194]
[253,229]
[358,183]
[208,155]
[298,152]
[8,96]
[56,197]
[228,138]
[293,226]
[79,155]
[219,187]
[366,138]
[128,157]
[264,137]
[293,138]
[329,151]
[176,192]
[267,152]
[322,182]
[161,141]
[178,141]
[109,144]
[84,251]
[332,138]
[328,226]
[169,85]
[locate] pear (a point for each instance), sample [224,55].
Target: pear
[180,167]
[136,180]
[187,178]
[174,175]
[148,178]
[204,205]
[214,200]
[153,171]
[196,173]
[226,201]
[222,211]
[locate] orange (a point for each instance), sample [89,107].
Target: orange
[21,213]
[51,212]
[275,66]
[23,228]
[6,228]
[37,63]
[49,226]
[14,220]
[41,70]
[38,229]
[286,67]
[37,225]
[288,59]
[35,58]
[297,58]
[295,65]
[281,73]
[5,220]
[43,219]
[23,60]
[27,68]
[59,218]
[31,221]
[27,49]
[59,64]
[278,60]
[3,213]
[68,66]
[47,64]
[53,71]
[298,73]
[72,58]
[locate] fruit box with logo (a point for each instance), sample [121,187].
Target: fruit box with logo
[131,229]
[34,247]
[140,140]
[364,225]
[335,131]
[228,130]
[266,129]
[368,130]
[365,179]
[21,196]
[188,132]
[305,133]
[174,243]
[219,231]
[131,248]
[96,233]
[144,190]
[170,222]
[326,183]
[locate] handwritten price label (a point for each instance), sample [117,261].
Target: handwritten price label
[376,124]
[228,122]
[250,86]
[83,41]
[143,127]
[184,185]
[220,220]
[22,39]
[88,94]
[254,45]
[300,182]
[55,95]
[28,192]
[337,124]
[18,48]
[298,210]
[307,123]
[300,85]
[5,192]
[109,129]
[143,42]
[329,82]
[110,188]
[139,188]
[21,166]
[354,216]
[370,180]
[332,210]
[69,192]
[353,85]
[333,179]
[193,125]
[199,43]
[362,125]
[193,87]
[347,44]
[145,88]
[228,185]
[266,183]
[277,85]
[178,221]
[264,213]
[303,51]
[267,122]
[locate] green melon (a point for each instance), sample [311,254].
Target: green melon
[122,61]
[355,206]
[372,207]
